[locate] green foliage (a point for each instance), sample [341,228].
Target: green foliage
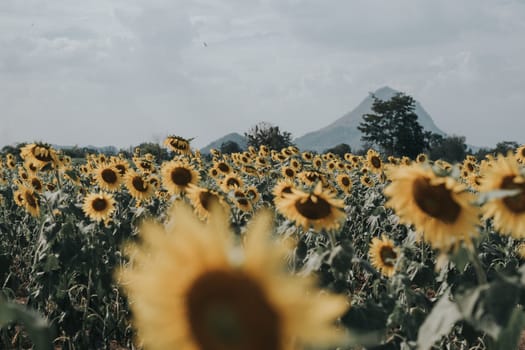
[451,149]
[340,149]
[268,135]
[393,126]
[230,147]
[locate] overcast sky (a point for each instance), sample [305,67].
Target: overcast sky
[121,72]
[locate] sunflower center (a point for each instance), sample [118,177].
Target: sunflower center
[314,208]
[181,176]
[435,200]
[206,198]
[376,162]
[109,176]
[515,203]
[289,172]
[232,182]
[138,184]
[37,185]
[228,310]
[30,200]
[223,167]
[388,255]
[345,181]
[99,204]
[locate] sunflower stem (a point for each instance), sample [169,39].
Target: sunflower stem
[474,258]
[331,236]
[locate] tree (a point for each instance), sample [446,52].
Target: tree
[340,149]
[229,147]
[267,134]
[393,126]
[451,148]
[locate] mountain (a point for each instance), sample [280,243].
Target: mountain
[344,129]
[235,137]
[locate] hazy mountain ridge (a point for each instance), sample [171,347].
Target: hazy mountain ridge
[342,130]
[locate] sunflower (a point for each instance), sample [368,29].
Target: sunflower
[366,180]
[178,144]
[202,200]
[373,159]
[307,156]
[344,182]
[318,209]
[231,182]
[243,203]
[99,206]
[311,177]
[520,154]
[138,186]
[288,172]
[383,255]
[108,177]
[217,302]
[178,175]
[28,198]
[422,158]
[439,208]
[253,194]
[508,212]
[223,167]
[39,153]
[36,183]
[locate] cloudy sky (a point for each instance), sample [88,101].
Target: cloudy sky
[125,71]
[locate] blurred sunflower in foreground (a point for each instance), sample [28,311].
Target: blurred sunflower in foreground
[509,211]
[438,207]
[190,287]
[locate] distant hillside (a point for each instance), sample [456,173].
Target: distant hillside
[344,129]
[235,137]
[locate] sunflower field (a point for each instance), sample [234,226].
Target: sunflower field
[262,249]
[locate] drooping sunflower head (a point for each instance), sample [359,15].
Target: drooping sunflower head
[178,175]
[508,211]
[366,180]
[216,303]
[107,177]
[383,255]
[439,207]
[39,153]
[99,206]
[318,209]
[178,144]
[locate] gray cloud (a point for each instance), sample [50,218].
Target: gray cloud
[122,72]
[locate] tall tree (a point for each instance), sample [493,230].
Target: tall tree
[450,148]
[267,134]
[393,126]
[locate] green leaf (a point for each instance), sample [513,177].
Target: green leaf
[510,336]
[460,259]
[439,322]
[36,326]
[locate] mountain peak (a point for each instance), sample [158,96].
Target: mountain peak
[385,93]
[344,129]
